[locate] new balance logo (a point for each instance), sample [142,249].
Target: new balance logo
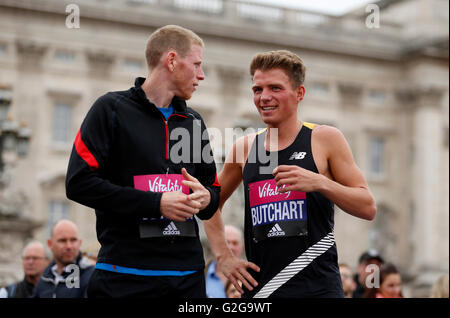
[298,155]
[171,229]
[276,231]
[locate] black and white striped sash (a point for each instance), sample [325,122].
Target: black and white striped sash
[296,266]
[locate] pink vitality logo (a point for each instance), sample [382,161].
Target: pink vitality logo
[160,183]
[266,191]
[268,205]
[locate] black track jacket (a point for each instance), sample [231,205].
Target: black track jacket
[123,136]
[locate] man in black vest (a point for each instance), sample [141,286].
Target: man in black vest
[293,174]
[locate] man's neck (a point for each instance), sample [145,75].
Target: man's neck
[59,268]
[32,279]
[156,90]
[286,133]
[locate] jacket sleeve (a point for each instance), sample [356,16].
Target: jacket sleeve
[86,180]
[207,175]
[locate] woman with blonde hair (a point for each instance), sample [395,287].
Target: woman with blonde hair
[440,287]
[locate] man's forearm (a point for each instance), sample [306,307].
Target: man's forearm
[214,229]
[356,201]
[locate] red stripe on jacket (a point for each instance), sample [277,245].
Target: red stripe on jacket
[84,152]
[216,182]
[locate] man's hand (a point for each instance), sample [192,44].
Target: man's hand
[295,178]
[235,270]
[199,192]
[177,206]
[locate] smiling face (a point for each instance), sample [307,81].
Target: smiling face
[187,72]
[274,96]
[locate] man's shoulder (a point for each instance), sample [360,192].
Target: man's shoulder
[247,140]
[241,148]
[326,133]
[110,98]
[10,290]
[193,113]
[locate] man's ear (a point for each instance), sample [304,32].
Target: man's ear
[170,60]
[300,92]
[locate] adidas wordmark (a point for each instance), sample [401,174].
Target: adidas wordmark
[171,229]
[276,231]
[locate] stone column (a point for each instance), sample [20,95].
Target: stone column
[230,86]
[350,100]
[30,60]
[349,122]
[426,191]
[427,141]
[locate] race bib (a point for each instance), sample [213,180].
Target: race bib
[276,214]
[163,227]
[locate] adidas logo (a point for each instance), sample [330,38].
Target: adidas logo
[276,231]
[171,229]
[298,155]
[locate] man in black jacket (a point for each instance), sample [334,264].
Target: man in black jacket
[34,260]
[68,274]
[142,160]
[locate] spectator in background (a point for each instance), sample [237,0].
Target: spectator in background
[34,260]
[231,291]
[90,252]
[440,287]
[68,275]
[216,281]
[367,258]
[390,284]
[348,284]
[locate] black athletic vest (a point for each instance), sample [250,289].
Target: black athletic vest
[289,228]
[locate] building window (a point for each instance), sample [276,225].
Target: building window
[64,56]
[62,123]
[132,65]
[376,157]
[377,96]
[57,210]
[2,49]
[319,89]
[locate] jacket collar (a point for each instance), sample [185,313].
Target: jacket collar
[80,262]
[179,104]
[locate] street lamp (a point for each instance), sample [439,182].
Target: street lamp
[16,225]
[13,138]
[5,102]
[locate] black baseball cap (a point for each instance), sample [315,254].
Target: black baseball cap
[370,254]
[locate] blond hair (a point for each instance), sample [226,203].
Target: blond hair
[440,288]
[168,37]
[282,59]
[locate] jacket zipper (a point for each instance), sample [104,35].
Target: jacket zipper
[167,131]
